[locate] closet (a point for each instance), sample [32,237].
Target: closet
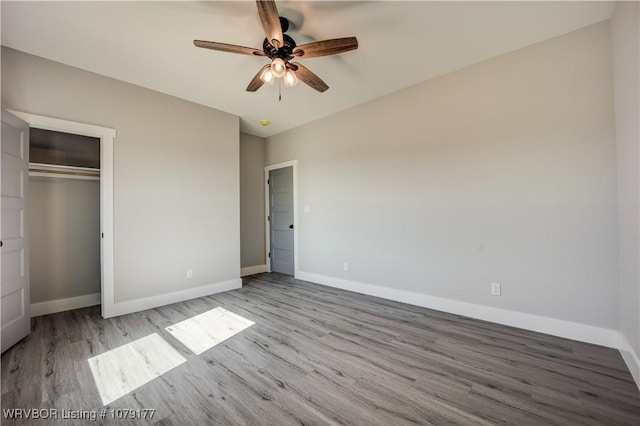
[64,217]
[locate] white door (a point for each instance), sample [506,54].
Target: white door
[14,236]
[281,220]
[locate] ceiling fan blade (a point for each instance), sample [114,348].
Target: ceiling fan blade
[257,83]
[307,77]
[231,48]
[270,21]
[326,47]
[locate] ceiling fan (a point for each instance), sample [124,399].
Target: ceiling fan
[280,48]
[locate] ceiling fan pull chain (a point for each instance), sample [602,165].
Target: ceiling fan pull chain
[279,90]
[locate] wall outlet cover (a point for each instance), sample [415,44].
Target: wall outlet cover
[496,289]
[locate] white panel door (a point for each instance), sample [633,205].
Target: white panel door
[14,264]
[281,220]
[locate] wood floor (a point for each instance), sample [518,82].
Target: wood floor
[318,355]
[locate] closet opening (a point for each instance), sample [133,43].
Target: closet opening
[64,219]
[84,171]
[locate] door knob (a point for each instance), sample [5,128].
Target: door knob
[290,226]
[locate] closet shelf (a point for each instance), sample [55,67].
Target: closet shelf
[63,172]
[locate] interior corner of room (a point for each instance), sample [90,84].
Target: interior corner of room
[506,191]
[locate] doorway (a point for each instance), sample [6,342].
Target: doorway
[106,137]
[64,221]
[281,218]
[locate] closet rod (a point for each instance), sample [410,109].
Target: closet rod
[69,172]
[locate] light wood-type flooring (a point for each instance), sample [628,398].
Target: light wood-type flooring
[318,355]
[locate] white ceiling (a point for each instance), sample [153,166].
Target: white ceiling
[401,44]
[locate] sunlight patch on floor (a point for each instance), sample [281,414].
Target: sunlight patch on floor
[206,330]
[127,367]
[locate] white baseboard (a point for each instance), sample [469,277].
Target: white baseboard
[555,327]
[630,358]
[136,305]
[61,305]
[250,270]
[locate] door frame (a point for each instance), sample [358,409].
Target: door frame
[267,207]
[107,136]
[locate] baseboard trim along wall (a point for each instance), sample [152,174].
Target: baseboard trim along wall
[137,305]
[250,270]
[554,327]
[61,305]
[630,358]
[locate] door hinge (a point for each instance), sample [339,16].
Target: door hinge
[269,255]
[268,218]
[102,235]
[268,181]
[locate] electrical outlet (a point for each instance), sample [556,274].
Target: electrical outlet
[346,266]
[496,289]
[189,273]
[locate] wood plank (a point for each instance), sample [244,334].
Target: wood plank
[320,355]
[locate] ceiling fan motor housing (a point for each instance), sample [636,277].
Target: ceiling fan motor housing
[285,51]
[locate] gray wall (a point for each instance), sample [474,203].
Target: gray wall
[502,172]
[176,176]
[252,157]
[64,242]
[626,57]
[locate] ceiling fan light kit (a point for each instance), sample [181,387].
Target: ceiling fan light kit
[290,79]
[267,76]
[280,48]
[278,67]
